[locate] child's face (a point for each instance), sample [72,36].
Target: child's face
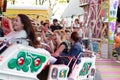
[17,24]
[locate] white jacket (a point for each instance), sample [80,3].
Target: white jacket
[16,37]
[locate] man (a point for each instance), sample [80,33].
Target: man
[55,25]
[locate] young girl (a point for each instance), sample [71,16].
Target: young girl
[23,32]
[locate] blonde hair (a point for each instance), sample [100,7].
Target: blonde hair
[61,33]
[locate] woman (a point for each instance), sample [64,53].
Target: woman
[76,24]
[56,44]
[46,33]
[81,31]
[61,45]
[46,37]
[76,47]
[24,32]
[75,50]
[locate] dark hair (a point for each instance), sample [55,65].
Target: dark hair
[75,36]
[44,24]
[66,30]
[77,20]
[41,22]
[118,14]
[29,30]
[0,18]
[55,20]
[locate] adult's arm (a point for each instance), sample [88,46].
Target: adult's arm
[59,50]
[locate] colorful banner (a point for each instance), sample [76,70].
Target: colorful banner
[111,31]
[105,11]
[112,19]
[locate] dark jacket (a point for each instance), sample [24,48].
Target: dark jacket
[53,27]
[75,49]
[1,33]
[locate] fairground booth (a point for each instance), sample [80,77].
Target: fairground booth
[100,19]
[101,23]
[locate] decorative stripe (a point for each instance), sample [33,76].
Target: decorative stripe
[104,66]
[111,72]
[109,69]
[111,79]
[104,61]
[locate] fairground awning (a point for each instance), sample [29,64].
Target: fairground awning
[73,9]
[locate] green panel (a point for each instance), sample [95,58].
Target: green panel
[42,60]
[13,63]
[111,41]
[112,19]
[26,61]
[84,71]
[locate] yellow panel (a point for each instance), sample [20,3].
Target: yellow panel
[11,12]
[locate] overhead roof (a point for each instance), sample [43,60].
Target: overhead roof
[33,7]
[73,9]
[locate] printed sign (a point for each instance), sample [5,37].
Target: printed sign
[113,10]
[112,19]
[111,31]
[105,11]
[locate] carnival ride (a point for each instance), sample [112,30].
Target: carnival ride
[18,62]
[22,63]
